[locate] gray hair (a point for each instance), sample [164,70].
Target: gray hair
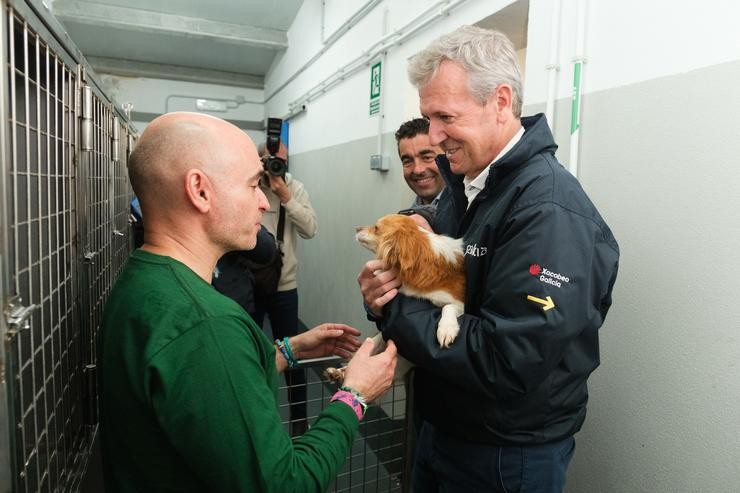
[262,148]
[487,56]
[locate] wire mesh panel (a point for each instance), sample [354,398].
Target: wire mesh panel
[96,177]
[376,461]
[44,380]
[65,238]
[121,198]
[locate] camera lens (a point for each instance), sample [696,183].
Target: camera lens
[275,166]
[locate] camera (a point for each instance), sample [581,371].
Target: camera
[274,165]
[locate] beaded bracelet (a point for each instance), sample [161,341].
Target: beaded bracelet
[284,349]
[349,398]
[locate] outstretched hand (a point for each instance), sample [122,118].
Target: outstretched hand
[327,339]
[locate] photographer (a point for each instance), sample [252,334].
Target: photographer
[286,193]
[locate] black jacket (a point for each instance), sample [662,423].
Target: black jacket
[234,279]
[517,372]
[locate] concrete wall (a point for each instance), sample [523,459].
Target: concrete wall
[659,157]
[661,160]
[345,195]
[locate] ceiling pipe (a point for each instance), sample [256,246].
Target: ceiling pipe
[323,20]
[553,67]
[202,102]
[384,44]
[351,22]
[575,111]
[294,112]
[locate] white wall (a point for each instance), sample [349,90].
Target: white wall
[659,149]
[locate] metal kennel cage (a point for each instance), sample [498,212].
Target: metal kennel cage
[65,236]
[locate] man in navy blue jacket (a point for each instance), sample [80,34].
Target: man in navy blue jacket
[233,276]
[502,404]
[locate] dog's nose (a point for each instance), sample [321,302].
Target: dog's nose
[358,229]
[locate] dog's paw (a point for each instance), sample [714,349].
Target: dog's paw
[336,375]
[447,331]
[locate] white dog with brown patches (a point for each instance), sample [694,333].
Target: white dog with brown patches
[429,266]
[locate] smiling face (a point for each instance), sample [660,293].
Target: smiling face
[419,167]
[467,131]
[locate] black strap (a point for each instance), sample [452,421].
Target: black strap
[281,225]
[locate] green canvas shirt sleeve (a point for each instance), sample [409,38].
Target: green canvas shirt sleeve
[213,390]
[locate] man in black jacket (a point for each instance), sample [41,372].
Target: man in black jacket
[502,404]
[233,276]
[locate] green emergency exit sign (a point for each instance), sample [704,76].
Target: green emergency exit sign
[375,89]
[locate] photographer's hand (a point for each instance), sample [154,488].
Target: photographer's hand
[279,188]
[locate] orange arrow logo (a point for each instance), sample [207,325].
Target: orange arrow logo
[547,302]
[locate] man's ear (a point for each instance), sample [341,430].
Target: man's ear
[199,189]
[502,98]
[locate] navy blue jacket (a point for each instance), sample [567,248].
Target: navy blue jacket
[516,374]
[234,278]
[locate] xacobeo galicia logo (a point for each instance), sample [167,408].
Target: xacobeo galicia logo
[547,276]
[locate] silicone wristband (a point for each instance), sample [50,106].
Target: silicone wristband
[292,363]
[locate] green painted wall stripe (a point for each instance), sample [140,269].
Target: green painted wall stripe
[575,118]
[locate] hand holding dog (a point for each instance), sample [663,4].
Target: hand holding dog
[371,375]
[377,285]
[327,339]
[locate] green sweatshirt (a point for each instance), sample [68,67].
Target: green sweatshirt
[188,394]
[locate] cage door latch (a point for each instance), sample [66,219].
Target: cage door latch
[17,315]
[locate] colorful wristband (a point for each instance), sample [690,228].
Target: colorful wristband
[285,351]
[349,399]
[357,396]
[290,352]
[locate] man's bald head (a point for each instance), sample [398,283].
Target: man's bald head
[174,143]
[197,179]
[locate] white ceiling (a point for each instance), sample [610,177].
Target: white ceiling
[230,42]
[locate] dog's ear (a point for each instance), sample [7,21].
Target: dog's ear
[409,249]
[399,245]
